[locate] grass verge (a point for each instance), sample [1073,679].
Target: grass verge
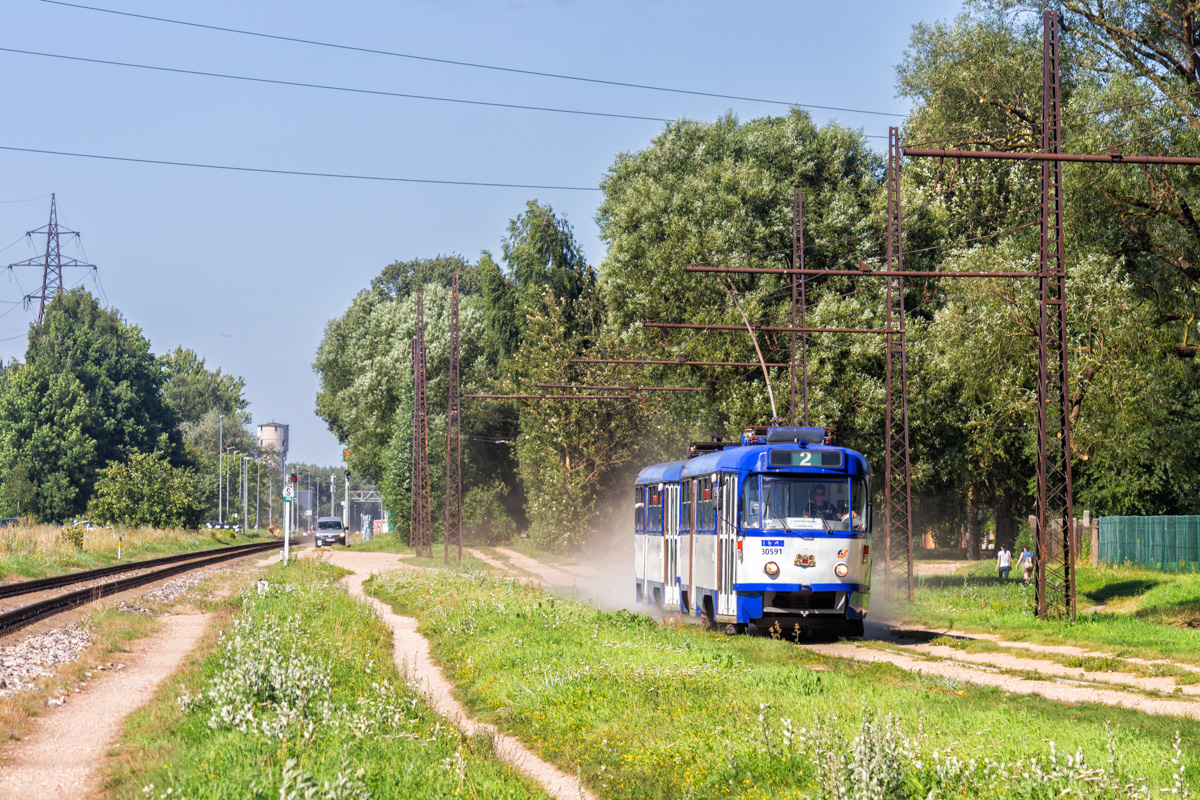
[299,698]
[41,550]
[649,711]
[1142,613]
[111,632]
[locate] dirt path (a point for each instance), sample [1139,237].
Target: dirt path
[60,758]
[1009,661]
[1059,692]
[412,657]
[1033,647]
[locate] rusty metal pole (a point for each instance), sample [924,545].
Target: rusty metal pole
[454,437]
[897,466]
[414,517]
[1055,585]
[421,465]
[799,282]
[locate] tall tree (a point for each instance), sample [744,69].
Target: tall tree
[88,393]
[721,193]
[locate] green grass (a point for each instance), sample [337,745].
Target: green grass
[301,696]
[527,547]
[392,543]
[1145,613]
[649,711]
[39,551]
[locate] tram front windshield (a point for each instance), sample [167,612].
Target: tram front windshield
[789,503]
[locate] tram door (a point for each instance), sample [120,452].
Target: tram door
[727,545]
[671,546]
[690,510]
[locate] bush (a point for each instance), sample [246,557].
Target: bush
[147,491]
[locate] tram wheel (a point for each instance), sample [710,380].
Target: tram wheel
[853,629]
[735,628]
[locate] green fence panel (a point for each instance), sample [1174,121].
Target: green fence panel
[1170,544]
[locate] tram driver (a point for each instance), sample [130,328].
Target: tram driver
[819,507]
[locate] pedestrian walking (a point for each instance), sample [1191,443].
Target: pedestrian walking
[1003,561]
[1025,562]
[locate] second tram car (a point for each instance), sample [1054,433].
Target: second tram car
[776,529]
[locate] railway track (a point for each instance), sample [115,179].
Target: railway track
[148,571]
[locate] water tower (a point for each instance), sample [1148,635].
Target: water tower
[273,442]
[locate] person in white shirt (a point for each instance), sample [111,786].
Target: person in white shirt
[1003,561]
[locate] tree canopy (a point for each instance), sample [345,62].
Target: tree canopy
[89,393]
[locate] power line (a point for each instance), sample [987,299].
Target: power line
[301,173]
[26,200]
[472,65]
[326,87]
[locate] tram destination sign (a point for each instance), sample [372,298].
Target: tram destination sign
[806,458]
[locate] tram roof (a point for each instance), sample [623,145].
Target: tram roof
[658,473]
[752,458]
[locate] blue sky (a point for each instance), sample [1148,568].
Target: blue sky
[247,268]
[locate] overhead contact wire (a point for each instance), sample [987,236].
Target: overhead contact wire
[472,65]
[301,173]
[330,88]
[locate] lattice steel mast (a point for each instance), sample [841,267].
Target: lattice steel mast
[454,436]
[421,526]
[1055,581]
[51,261]
[897,488]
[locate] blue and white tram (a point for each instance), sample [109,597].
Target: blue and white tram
[777,529]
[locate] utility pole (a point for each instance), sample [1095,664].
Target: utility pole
[453,529]
[51,262]
[346,505]
[245,495]
[220,469]
[257,491]
[421,535]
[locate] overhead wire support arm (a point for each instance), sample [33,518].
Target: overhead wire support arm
[671,363]
[623,388]
[1086,158]
[550,396]
[867,273]
[768,328]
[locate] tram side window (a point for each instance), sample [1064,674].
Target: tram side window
[750,504]
[639,509]
[708,504]
[685,510]
[656,512]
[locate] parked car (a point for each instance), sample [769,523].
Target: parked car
[9,522]
[330,531]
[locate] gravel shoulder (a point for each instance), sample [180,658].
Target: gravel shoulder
[61,758]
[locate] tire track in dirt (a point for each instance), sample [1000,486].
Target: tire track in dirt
[1058,692]
[412,657]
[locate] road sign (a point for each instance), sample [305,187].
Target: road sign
[288,492]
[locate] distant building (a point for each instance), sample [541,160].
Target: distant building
[273,442]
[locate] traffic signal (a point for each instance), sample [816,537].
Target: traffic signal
[292,477]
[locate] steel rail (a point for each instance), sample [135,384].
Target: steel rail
[54,581]
[25,615]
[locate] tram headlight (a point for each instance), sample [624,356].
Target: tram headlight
[772,569]
[841,570]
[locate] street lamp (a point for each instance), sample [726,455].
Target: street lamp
[257,490]
[220,466]
[231,452]
[245,476]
